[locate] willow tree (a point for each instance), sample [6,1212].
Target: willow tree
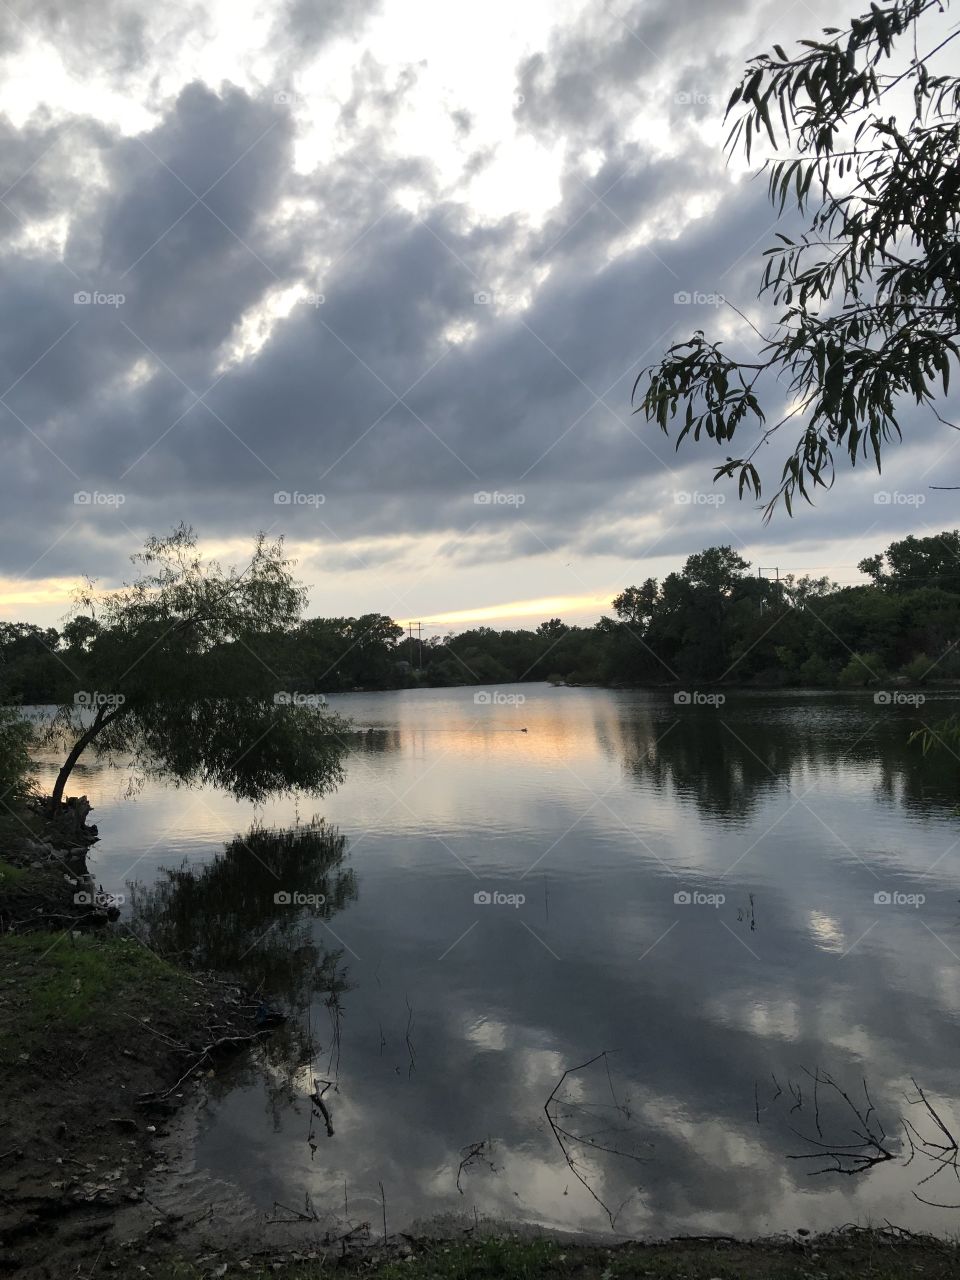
[182,678]
[868,294]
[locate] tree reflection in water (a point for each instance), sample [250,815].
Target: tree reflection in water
[253,914]
[729,760]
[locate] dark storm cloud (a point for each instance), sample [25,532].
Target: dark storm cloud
[45,169]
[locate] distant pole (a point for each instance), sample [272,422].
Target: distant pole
[420,639]
[762,569]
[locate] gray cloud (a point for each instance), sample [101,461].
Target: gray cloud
[113,37]
[400,396]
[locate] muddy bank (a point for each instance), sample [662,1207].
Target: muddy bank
[101,1042]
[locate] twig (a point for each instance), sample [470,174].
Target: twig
[560,1133]
[412,1067]
[473,1152]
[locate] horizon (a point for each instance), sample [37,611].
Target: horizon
[514,615]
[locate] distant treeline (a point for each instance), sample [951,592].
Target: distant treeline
[714,621]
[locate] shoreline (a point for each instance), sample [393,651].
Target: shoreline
[101,1043]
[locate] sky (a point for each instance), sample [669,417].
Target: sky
[380,277]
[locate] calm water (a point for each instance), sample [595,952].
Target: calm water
[453,1020]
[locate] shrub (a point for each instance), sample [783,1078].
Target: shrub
[15,763]
[861,670]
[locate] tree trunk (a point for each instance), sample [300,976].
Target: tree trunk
[100,721]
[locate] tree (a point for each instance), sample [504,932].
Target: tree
[918,562]
[636,605]
[799,590]
[552,629]
[870,292]
[15,764]
[718,570]
[79,634]
[183,678]
[30,666]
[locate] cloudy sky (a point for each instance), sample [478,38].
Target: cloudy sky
[380,277]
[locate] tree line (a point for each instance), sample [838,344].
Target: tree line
[715,620]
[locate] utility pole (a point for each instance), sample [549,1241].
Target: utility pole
[411,650]
[761,570]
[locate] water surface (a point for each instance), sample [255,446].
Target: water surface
[699,901]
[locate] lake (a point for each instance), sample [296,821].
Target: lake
[744,918]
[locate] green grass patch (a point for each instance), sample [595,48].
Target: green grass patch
[11,875]
[58,985]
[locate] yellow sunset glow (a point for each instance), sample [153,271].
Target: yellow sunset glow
[544,607]
[14,592]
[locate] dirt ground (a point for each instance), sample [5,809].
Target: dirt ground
[101,1041]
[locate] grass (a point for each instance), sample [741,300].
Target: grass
[63,986]
[18,821]
[11,875]
[865,1255]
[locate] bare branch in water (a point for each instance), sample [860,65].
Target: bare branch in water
[475,1153]
[870,1145]
[848,1158]
[558,1118]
